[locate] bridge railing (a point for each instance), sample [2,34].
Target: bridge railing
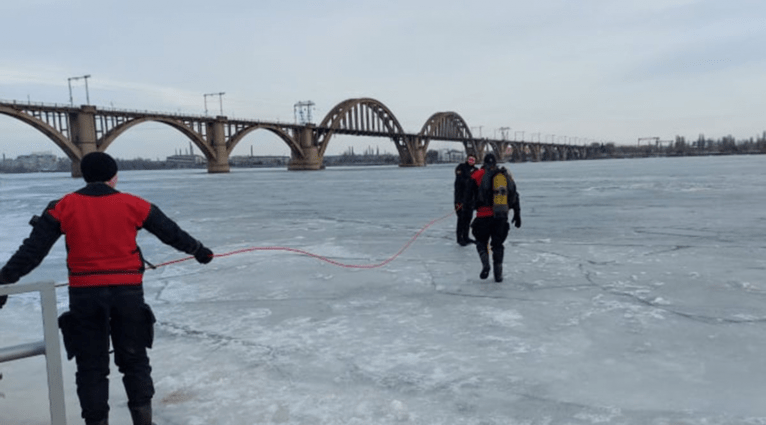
[112,109]
[49,346]
[30,103]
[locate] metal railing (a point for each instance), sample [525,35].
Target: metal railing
[48,347]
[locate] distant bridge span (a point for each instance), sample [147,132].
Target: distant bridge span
[80,130]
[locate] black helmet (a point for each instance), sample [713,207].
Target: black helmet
[490,160]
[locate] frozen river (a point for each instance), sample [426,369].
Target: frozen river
[634,293]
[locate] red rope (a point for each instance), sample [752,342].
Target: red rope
[320,257]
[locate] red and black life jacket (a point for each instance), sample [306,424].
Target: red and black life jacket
[100,228]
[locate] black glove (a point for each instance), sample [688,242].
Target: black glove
[203,255]
[516,220]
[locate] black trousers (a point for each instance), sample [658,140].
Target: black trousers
[464,216]
[119,313]
[491,231]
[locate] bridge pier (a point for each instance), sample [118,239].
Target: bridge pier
[482,148]
[311,159]
[472,149]
[83,135]
[412,152]
[216,137]
[536,153]
[504,150]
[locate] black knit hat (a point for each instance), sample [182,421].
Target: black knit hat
[98,167]
[490,160]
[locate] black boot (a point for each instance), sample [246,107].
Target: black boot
[142,415]
[101,422]
[484,264]
[498,269]
[466,238]
[497,262]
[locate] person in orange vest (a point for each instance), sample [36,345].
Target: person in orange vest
[106,296]
[490,228]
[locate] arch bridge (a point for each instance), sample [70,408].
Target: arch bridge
[80,130]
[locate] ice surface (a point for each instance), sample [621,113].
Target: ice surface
[634,294]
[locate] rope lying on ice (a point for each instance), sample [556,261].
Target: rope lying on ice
[318,257]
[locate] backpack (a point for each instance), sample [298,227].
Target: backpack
[498,190]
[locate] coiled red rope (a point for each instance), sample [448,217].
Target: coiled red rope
[319,257]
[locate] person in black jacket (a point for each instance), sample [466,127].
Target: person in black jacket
[463,202]
[106,297]
[490,228]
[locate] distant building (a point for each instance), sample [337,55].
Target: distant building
[185,161]
[188,160]
[258,161]
[38,161]
[451,155]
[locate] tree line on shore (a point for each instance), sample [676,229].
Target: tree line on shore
[678,147]
[681,147]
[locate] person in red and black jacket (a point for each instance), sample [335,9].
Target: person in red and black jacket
[487,228]
[106,297]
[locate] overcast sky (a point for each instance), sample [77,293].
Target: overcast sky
[603,70]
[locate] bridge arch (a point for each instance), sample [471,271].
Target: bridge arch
[72,151]
[448,125]
[279,132]
[110,136]
[362,116]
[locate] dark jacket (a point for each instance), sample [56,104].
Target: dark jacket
[100,224]
[462,180]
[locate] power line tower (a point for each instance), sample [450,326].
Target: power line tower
[504,132]
[302,112]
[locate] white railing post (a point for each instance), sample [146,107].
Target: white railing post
[49,346]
